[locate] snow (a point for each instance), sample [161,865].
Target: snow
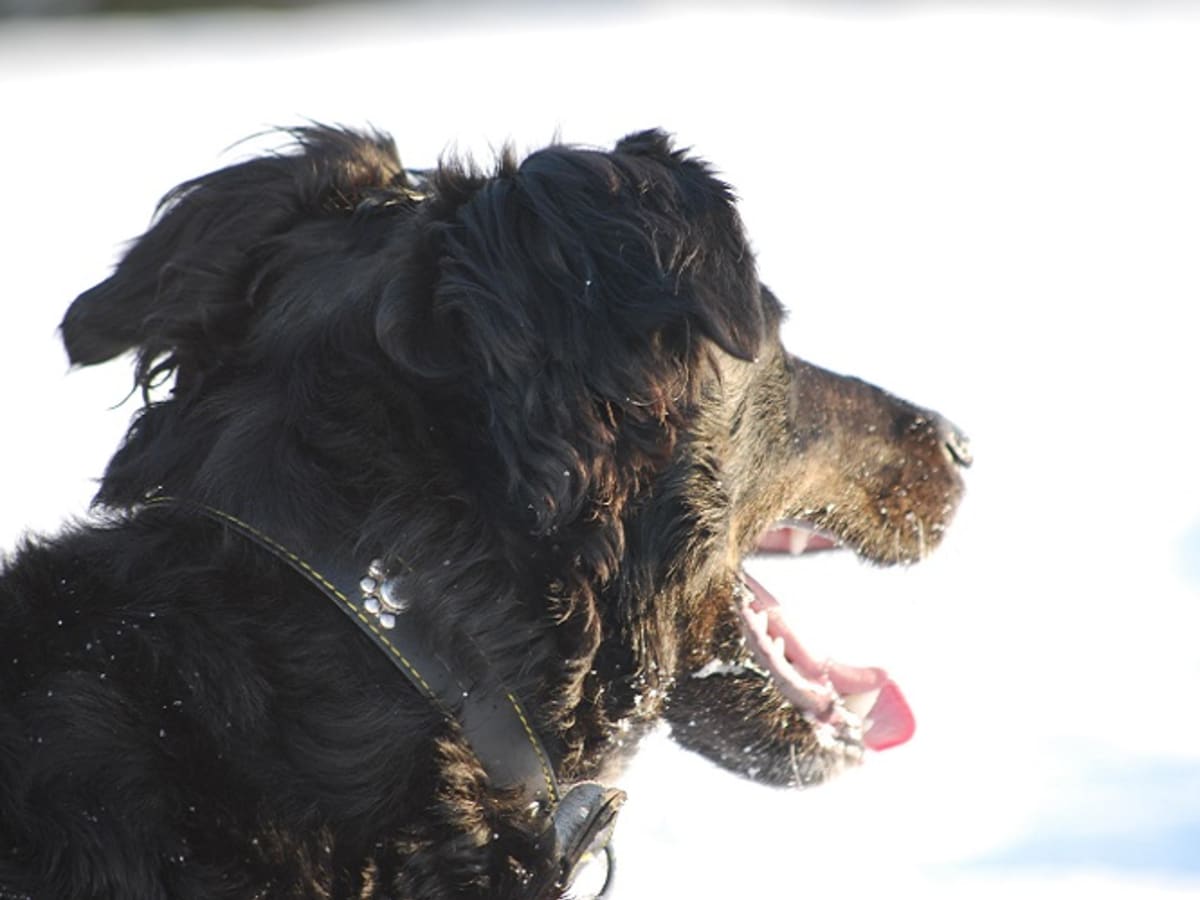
[989,210]
[719,667]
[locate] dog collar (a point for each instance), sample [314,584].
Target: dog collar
[493,720]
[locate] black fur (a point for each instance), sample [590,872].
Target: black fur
[555,391]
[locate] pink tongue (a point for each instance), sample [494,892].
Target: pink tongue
[891,720]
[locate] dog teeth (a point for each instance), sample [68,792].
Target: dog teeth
[760,620]
[861,704]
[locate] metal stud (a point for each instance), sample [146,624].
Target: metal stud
[390,595]
[376,570]
[368,585]
[387,620]
[372,605]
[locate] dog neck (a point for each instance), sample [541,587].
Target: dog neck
[578,822]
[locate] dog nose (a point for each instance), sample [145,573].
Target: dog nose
[957,444]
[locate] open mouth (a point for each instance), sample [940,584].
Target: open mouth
[855,705]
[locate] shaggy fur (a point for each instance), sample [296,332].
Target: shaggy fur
[555,391]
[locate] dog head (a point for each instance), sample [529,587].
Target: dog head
[557,391]
[560,304]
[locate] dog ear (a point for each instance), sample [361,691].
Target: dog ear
[186,290]
[565,298]
[733,320]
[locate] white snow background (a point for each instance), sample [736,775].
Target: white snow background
[992,211]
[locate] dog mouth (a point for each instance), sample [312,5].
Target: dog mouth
[844,704]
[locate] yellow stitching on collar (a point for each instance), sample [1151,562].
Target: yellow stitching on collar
[325,582]
[546,774]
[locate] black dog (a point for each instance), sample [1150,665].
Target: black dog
[542,413]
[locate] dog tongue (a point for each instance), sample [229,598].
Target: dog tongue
[890,720]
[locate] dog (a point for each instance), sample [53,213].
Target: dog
[534,418]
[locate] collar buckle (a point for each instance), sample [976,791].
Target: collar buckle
[581,828]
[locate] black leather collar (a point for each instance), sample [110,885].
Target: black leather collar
[493,720]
